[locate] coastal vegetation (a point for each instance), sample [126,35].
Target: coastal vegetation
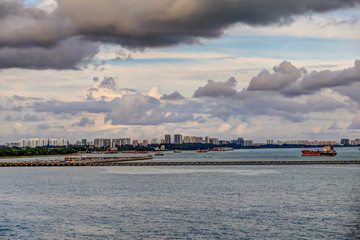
[20,152]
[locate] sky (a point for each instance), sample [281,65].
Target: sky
[255,69]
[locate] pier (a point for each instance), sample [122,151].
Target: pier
[134,161]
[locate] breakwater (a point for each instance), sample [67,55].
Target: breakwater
[74,161]
[133,161]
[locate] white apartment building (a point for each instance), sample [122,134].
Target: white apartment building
[42,142]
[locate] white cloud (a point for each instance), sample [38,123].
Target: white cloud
[224,128]
[154,92]
[47,5]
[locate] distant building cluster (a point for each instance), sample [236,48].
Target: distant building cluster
[346,141]
[302,142]
[42,142]
[176,139]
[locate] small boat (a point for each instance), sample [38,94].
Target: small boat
[159,154]
[202,150]
[177,151]
[327,151]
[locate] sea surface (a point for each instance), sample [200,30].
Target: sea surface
[185,202]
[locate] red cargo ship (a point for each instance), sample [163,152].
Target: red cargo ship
[327,151]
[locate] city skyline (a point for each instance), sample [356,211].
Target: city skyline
[177,140]
[264,70]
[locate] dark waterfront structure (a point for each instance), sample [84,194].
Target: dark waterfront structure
[177,139]
[345,141]
[167,139]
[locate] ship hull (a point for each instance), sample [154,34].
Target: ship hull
[318,153]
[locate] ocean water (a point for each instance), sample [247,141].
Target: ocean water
[184,202]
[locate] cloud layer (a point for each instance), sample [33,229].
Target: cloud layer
[291,81]
[266,95]
[69,36]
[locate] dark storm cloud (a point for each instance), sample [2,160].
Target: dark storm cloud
[28,31]
[173,96]
[71,53]
[138,23]
[28,26]
[83,122]
[217,89]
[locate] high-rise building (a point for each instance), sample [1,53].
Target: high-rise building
[83,142]
[116,142]
[177,139]
[102,142]
[23,143]
[214,141]
[248,143]
[135,143]
[186,139]
[126,141]
[355,142]
[345,141]
[42,142]
[328,142]
[241,141]
[121,141]
[153,141]
[167,139]
[145,143]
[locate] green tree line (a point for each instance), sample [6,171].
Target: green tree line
[19,152]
